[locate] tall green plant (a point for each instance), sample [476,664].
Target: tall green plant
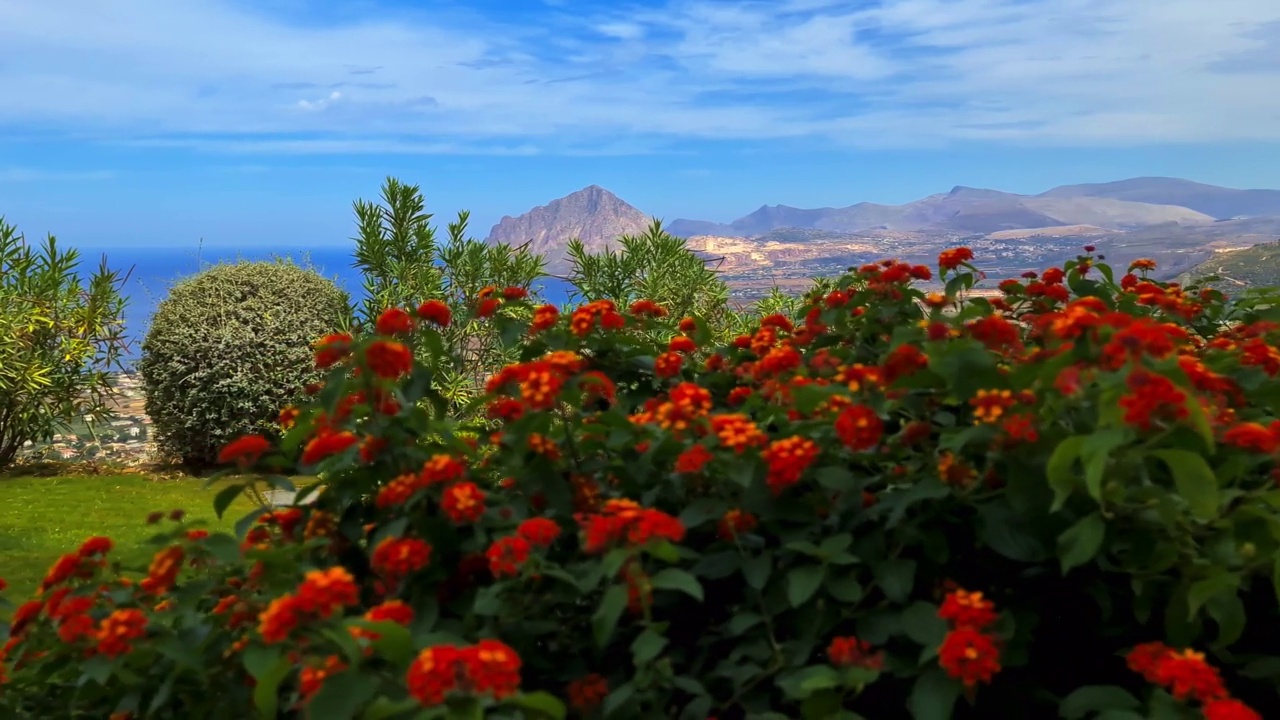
[404,264]
[61,340]
[658,266]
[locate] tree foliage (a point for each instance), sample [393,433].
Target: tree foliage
[61,338]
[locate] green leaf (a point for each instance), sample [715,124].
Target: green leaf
[1058,470]
[933,696]
[608,614]
[259,660]
[1079,543]
[756,570]
[342,695]
[897,578]
[266,694]
[674,579]
[845,589]
[1227,610]
[1200,592]
[541,702]
[1194,479]
[921,623]
[383,708]
[647,646]
[225,497]
[223,547]
[1096,698]
[803,582]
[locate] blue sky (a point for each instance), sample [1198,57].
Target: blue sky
[257,122]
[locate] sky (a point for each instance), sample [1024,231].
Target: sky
[154,123]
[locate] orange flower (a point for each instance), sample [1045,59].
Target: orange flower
[734,523]
[311,678]
[117,631]
[787,460]
[163,573]
[435,312]
[463,502]
[493,668]
[682,344]
[394,321]
[544,316]
[442,468]
[859,428]
[849,651]
[647,308]
[244,450]
[969,655]
[586,693]
[990,405]
[323,592]
[1253,437]
[953,258]
[389,358]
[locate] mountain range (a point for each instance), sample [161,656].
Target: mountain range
[1179,221]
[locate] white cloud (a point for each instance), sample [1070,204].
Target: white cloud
[33,175]
[216,75]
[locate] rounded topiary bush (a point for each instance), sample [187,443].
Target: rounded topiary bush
[229,347]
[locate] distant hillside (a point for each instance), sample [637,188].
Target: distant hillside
[1241,268]
[963,209]
[1220,202]
[593,215]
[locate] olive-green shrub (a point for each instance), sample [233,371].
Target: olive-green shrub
[229,347]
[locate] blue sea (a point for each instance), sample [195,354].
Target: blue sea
[152,271]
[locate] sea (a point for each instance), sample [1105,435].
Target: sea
[152,271]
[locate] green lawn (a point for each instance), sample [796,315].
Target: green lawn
[43,517]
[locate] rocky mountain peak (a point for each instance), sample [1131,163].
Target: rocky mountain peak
[593,215]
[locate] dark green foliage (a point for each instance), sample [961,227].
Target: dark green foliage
[229,348]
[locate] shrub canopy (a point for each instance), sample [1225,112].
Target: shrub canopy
[229,347]
[1060,502]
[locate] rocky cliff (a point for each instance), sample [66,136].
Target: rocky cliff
[593,215]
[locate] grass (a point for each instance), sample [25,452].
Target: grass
[44,517]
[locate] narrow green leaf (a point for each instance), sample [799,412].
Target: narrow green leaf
[607,615]
[1058,470]
[675,579]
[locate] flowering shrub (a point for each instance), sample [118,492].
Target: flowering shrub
[1061,502]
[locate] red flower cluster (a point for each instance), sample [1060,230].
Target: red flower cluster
[968,652]
[625,520]
[1187,676]
[395,558]
[320,595]
[849,651]
[488,668]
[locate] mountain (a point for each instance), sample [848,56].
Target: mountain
[1222,203]
[1240,268]
[963,209]
[593,215]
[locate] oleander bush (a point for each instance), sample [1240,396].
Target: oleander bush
[228,347]
[1058,503]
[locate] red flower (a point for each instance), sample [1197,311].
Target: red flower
[1253,437]
[540,532]
[463,502]
[117,631]
[544,316]
[1186,675]
[1229,709]
[507,554]
[970,656]
[734,523]
[667,364]
[97,545]
[514,293]
[311,678]
[488,307]
[787,460]
[693,460]
[859,428]
[323,592]
[396,558]
[682,344]
[163,573]
[586,693]
[244,450]
[849,651]
[326,444]
[393,321]
[436,312]
[331,349]
[389,358]
[493,668]
[962,608]
[433,674]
